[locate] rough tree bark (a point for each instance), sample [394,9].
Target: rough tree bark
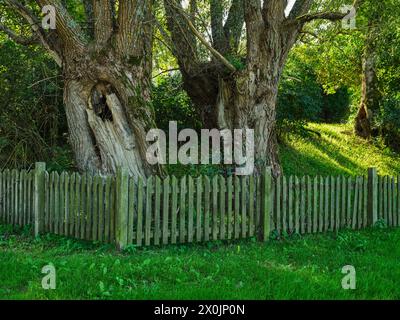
[370,96]
[230,97]
[107,74]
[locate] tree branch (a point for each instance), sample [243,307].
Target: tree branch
[88,5]
[255,26]
[234,24]
[332,16]
[103,21]
[66,27]
[214,52]
[199,36]
[47,40]
[183,42]
[216,12]
[134,24]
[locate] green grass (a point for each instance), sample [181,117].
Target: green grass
[336,152]
[302,268]
[299,268]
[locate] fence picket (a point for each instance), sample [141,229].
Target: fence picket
[182,211]
[290,205]
[215,191]
[360,202]
[355,204]
[243,193]
[76,204]
[222,190]
[303,190]
[83,211]
[207,189]
[165,219]
[190,233]
[332,193]
[385,199]
[199,192]
[90,221]
[297,196]
[56,203]
[157,212]
[95,208]
[230,220]
[315,205]
[284,206]
[326,207]
[237,207]
[21,190]
[139,230]
[149,205]
[278,192]
[337,204]
[107,209]
[344,195]
[174,209]
[365,204]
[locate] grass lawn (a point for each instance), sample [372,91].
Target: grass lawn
[296,268]
[337,151]
[299,268]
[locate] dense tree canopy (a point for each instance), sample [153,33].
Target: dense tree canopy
[123,67]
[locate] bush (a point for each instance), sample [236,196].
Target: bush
[171,103]
[33,125]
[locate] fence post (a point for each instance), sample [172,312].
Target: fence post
[122,196]
[39,196]
[266,204]
[372,196]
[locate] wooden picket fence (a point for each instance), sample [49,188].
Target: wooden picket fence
[121,210]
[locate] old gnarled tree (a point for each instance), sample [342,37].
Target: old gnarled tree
[233,89]
[107,72]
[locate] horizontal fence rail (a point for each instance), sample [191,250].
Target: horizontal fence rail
[158,211]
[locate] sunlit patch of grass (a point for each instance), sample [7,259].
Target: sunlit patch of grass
[337,151]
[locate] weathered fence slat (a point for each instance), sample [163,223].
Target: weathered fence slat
[237,207]
[290,204]
[199,193]
[190,233]
[165,219]
[284,206]
[229,187]
[222,190]
[157,211]
[182,211]
[214,221]
[243,217]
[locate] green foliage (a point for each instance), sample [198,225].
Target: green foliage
[32,121]
[171,103]
[237,61]
[302,98]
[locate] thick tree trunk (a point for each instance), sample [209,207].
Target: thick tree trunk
[242,96]
[370,96]
[108,112]
[249,102]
